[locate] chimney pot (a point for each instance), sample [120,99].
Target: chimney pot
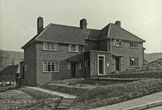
[118,23]
[39,25]
[83,24]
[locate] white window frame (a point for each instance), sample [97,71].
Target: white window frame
[98,64]
[133,44]
[76,48]
[68,66]
[52,65]
[135,59]
[52,46]
[118,43]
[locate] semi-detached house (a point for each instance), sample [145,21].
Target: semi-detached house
[60,52]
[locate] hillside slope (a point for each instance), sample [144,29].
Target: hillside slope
[10,57]
[154,65]
[152,56]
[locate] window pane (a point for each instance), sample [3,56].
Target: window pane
[76,48]
[117,43]
[73,48]
[56,67]
[133,61]
[50,66]
[55,47]
[44,45]
[52,46]
[53,67]
[133,44]
[45,66]
[48,46]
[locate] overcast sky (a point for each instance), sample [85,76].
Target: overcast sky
[141,17]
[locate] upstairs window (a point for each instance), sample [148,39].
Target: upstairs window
[73,48]
[133,61]
[49,66]
[50,46]
[133,45]
[117,43]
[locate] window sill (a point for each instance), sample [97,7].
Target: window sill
[133,47]
[118,46]
[101,74]
[134,66]
[68,70]
[51,50]
[87,66]
[50,71]
[73,52]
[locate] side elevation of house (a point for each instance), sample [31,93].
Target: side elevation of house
[60,52]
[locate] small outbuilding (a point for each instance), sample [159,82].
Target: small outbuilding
[8,74]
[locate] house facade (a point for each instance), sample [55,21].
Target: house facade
[60,52]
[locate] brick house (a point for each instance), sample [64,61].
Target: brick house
[60,52]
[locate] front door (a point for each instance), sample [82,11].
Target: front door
[101,65]
[117,60]
[73,69]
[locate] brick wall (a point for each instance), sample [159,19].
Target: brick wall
[128,52]
[30,61]
[61,56]
[91,45]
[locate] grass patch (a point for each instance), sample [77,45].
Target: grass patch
[28,100]
[13,99]
[38,94]
[112,94]
[43,104]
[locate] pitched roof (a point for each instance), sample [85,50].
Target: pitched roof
[65,34]
[117,32]
[10,70]
[75,35]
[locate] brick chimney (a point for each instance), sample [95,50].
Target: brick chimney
[83,24]
[39,25]
[118,23]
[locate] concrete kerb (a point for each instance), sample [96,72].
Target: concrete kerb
[145,106]
[64,95]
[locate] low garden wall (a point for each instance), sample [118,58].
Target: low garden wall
[142,74]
